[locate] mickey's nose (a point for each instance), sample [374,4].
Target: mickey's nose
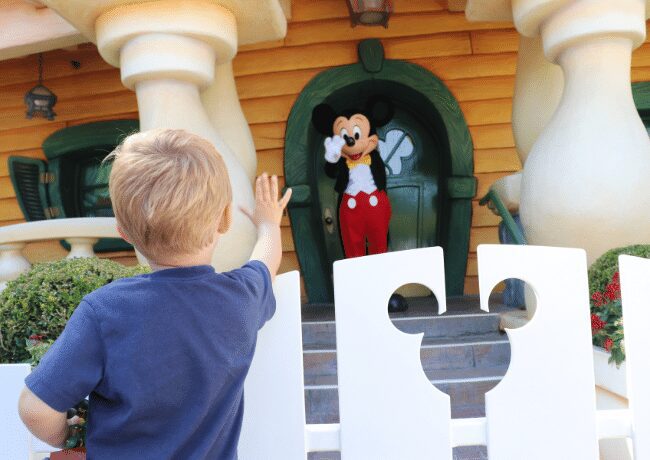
[349,140]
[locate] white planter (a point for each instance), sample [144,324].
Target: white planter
[608,376]
[611,394]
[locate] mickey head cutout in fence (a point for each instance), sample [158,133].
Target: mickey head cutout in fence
[382,380]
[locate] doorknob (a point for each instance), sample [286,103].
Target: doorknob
[329,220]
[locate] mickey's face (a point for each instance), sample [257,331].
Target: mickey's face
[356,133]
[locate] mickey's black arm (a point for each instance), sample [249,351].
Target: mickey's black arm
[378,170]
[332,169]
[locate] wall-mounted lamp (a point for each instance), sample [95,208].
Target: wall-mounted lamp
[370,12]
[40,100]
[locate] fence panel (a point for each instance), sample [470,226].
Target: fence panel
[389,410]
[14,437]
[274,406]
[545,407]
[635,290]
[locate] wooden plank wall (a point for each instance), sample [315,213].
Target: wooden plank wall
[88,90]
[475,60]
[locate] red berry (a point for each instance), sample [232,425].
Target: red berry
[608,344]
[598,299]
[613,291]
[596,323]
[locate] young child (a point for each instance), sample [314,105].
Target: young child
[164,355]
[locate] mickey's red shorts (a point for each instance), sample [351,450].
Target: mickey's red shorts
[364,218]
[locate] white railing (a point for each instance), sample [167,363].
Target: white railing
[81,233]
[545,407]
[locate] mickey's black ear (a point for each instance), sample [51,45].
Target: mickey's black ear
[322,117]
[380,110]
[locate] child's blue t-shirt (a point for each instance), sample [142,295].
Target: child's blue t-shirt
[163,357]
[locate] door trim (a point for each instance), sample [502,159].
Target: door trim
[456,208]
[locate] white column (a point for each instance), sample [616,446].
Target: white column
[12,262]
[81,247]
[221,102]
[167,52]
[538,89]
[585,182]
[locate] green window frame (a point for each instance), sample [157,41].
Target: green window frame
[72,182]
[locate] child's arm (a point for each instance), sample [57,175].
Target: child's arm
[70,370]
[41,420]
[267,217]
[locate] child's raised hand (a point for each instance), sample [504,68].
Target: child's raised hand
[268,209]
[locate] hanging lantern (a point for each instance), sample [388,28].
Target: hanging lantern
[370,12]
[40,100]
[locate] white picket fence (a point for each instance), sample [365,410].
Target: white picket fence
[545,407]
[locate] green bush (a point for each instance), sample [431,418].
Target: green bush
[602,270]
[41,300]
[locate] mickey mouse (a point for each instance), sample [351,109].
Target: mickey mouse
[352,158]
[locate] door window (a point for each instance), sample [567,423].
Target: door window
[397,147]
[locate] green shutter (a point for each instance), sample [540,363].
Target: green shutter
[29,178]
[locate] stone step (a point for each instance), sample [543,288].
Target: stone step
[476,351]
[466,389]
[459,453]
[320,334]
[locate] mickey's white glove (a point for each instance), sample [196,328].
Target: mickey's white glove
[333,146]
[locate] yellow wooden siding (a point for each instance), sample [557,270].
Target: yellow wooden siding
[475,60]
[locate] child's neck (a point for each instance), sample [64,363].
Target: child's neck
[203,257]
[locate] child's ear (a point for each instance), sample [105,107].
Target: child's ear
[322,117]
[226,220]
[122,234]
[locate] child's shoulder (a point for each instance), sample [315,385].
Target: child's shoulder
[117,290]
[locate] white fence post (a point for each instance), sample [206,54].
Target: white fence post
[389,410]
[15,440]
[545,407]
[635,291]
[274,401]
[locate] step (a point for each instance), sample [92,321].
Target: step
[476,351]
[321,334]
[466,389]
[459,453]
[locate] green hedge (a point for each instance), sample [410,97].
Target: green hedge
[41,300]
[603,269]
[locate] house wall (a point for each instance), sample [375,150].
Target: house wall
[475,60]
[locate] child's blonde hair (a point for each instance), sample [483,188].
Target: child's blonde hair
[169,189]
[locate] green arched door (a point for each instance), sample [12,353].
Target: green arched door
[428,154]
